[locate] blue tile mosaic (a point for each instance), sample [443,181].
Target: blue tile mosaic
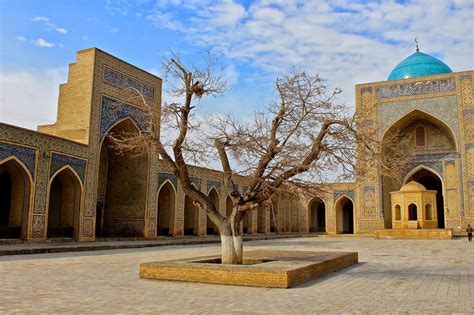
[121,80]
[113,111]
[60,160]
[26,155]
[348,193]
[163,177]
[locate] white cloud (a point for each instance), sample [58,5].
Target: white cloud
[345,41]
[40,19]
[117,7]
[61,30]
[29,98]
[40,42]
[20,38]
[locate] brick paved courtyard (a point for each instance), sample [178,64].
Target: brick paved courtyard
[396,276]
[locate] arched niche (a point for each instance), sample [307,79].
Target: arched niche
[64,204]
[421,133]
[122,186]
[15,195]
[438,134]
[316,215]
[211,228]
[166,210]
[431,180]
[344,215]
[412,212]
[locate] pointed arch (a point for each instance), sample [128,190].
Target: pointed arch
[122,188]
[316,215]
[166,209]
[421,114]
[64,203]
[16,198]
[431,180]
[117,123]
[345,215]
[417,169]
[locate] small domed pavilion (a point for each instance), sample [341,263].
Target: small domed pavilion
[414,207]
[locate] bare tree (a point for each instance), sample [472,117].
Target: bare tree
[298,139]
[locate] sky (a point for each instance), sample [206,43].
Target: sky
[346,42]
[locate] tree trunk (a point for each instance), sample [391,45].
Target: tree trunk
[228,251]
[238,249]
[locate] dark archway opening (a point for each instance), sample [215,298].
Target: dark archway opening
[317,215]
[432,182]
[64,204]
[412,212]
[122,187]
[166,206]
[14,199]
[345,216]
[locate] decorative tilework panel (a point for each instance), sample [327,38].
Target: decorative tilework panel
[436,156]
[437,166]
[416,88]
[88,227]
[214,183]
[163,177]
[366,89]
[124,81]
[38,226]
[113,111]
[196,181]
[59,160]
[24,154]
[339,193]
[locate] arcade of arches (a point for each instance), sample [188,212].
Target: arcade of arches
[104,193]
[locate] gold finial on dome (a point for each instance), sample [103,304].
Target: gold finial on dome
[417,48]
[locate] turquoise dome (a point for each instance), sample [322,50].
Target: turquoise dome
[418,65]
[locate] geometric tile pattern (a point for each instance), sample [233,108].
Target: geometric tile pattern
[60,160]
[24,154]
[123,81]
[113,111]
[415,88]
[348,193]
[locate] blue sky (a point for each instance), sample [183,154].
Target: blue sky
[345,41]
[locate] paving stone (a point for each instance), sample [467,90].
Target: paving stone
[393,276]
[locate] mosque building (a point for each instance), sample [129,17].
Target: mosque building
[65,181]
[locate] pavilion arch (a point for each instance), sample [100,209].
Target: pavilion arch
[345,214]
[417,169]
[122,189]
[418,114]
[211,228]
[432,180]
[166,209]
[64,203]
[316,215]
[16,198]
